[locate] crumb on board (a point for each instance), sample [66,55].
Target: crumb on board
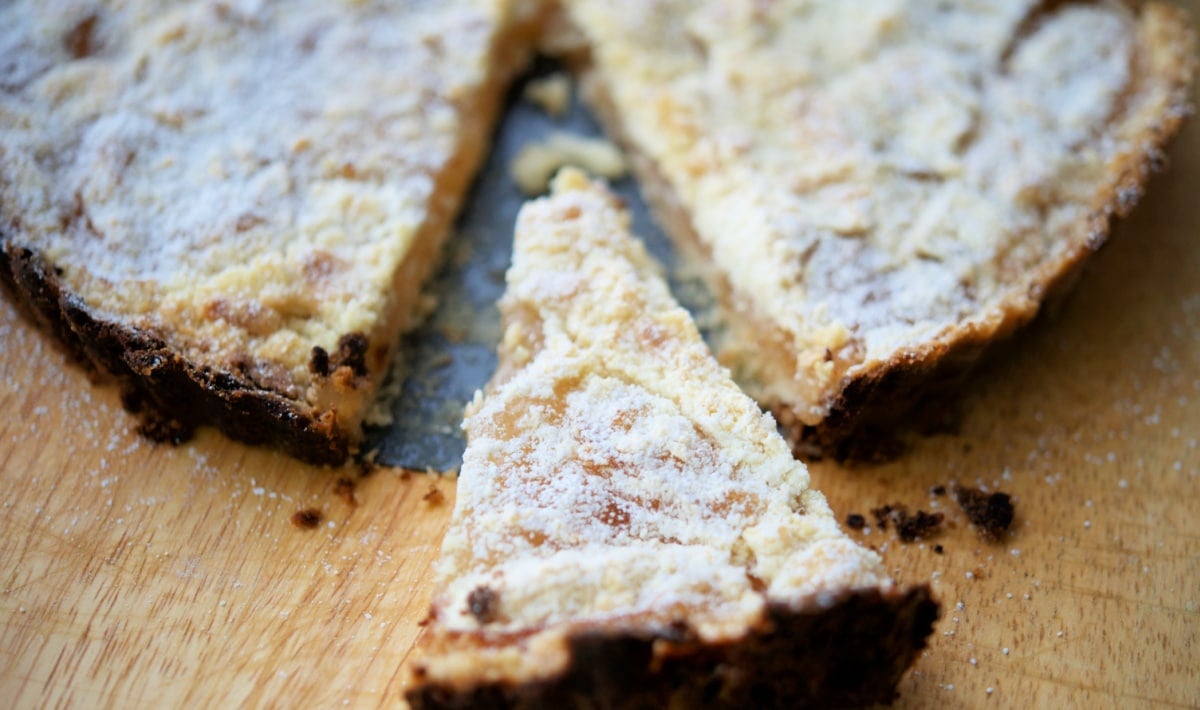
[990,513]
[855,521]
[537,162]
[434,495]
[380,414]
[306,519]
[551,93]
[344,489]
[367,463]
[164,430]
[909,526]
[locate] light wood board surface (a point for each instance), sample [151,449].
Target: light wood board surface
[134,574]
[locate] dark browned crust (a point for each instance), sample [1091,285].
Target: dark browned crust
[990,513]
[172,391]
[850,654]
[873,410]
[915,388]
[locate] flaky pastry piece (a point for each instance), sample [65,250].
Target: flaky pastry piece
[630,528]
[881,190]
[231,206]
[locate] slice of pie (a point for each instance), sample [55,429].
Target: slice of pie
[882,189]
[232,205]
[630,528]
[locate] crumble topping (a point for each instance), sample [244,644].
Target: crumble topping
[868,176]
[242,177]
[538,161]
[614,474]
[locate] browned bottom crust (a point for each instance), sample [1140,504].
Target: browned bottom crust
[850,654]
[176,394]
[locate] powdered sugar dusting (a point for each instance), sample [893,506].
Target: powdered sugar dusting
[615,473]
[251,175]
[867,183]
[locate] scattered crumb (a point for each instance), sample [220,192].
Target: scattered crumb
[909,527]
[538,162]
[938,490]
[344,489]
[434,496]
[379,413]
[551,93]
[938,549]
[367,464]
[163,430]
[990,513]
[920,526]
[306,519]
[854,521]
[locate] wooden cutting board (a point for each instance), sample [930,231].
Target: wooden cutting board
[133,574]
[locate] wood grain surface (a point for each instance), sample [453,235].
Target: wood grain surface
[135,574]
